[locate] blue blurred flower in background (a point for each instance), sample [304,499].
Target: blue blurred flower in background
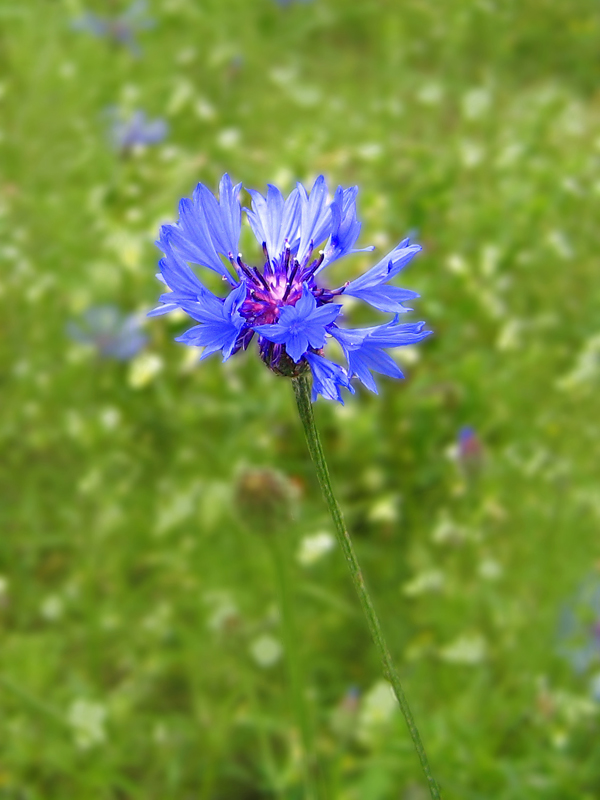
[286,3]
[120,29]
[579,627]
[470,450]
[111,332]
[285,304]
[136,130]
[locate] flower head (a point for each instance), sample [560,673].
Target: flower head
[119,29]
[137,129]
[112,333]
[470,450]
[284,303]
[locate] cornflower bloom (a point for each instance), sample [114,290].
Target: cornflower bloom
[112,333]
[120,29]
[137,129]
[293,314]
[284,303]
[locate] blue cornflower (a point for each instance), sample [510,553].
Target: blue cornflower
[285,303]
[120,29]
[137,129]
[112,333]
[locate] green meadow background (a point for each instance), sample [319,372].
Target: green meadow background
[140,637]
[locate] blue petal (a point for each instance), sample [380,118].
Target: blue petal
[326,314]
[306,304]
[274,221]
[315,223]
[387,268]
[328,378]
[224,218]
[207,227]
[383,297]
[274,333]
[296,345]
[345,227]
[222,322]
[178,276]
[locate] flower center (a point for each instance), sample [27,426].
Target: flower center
[278,285]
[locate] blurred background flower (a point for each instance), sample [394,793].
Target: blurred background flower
[135,130]
[120,29]
[109,331]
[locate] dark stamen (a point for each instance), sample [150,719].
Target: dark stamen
[288,288]
[341,290]
[261,279]
[311,247]
[288,253]
[314,266]
[246,270]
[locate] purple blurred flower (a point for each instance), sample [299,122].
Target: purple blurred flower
[119,29]
[112,333]
[137,129]
[470,449]
[285,303]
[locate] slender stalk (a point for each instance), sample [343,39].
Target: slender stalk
[303,399]
[294,668]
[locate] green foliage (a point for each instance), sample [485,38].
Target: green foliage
[140,651]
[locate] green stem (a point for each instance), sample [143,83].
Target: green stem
[302,391]
[294,668]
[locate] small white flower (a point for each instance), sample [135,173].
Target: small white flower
[560,244]
[490,570]
[205,110]
[86,718]
[509,155]
[369,151]
[385,509]
[510,336]
[313,548]
[490,258]
[430,94]
[377,708]
[431,580]
[52,608]
[467,649]
[223,610]
[110,418]
[448,532]
[407,354]
[143,369]
[587,366]
[475,103]
[266,651]
[457,264]
[471,153]
[229,138]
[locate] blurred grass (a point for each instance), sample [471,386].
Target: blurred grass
[128,582]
